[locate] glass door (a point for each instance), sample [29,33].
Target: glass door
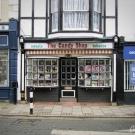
[68,77]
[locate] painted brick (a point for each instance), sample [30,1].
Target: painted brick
[12,2]
[15,8]
[4,10]
[13,15]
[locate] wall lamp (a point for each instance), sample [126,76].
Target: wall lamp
[21,40]
[116,41]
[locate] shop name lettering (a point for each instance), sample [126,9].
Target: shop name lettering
[99,46]
[36,46]
[131,52]
[68,45]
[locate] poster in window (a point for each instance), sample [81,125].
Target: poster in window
[132,74]
[102,68]
[95,68]
[87,68]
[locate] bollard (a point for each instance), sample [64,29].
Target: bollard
[15,86]
[31,100]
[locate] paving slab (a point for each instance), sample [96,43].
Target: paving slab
[73,110]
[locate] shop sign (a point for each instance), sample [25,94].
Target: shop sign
[4,27]
[132,74]
[129,52]
[65,45]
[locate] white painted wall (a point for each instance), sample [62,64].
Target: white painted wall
[126,19]
[0,9]
[110,22]
[110,7]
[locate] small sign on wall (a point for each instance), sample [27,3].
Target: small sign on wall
[132,74]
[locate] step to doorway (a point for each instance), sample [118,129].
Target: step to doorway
[69,99]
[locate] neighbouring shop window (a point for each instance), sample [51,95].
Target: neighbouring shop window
[94,72]
[129,75]
[42,72]
[4,68]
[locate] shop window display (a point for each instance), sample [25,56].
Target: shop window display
[94,72]
[42,72]
[4,68]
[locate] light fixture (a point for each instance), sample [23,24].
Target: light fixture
[115,39]
[21,39]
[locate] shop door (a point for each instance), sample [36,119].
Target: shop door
[68,77]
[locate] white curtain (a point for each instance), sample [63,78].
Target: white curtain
[55,21]
[54,6]
[75,13]
[95,20]
[96,5]
[75,4]
[96,14]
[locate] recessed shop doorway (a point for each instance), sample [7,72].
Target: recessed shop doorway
[68,78]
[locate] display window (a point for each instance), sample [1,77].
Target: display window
[42,72]
[129,75]
[94,72]
[4,68]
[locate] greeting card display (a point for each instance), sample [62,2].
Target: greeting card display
[87,68]
[102,68]
[95,68]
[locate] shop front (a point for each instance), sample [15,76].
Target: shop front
[129,74]
[8,59]
[69,71]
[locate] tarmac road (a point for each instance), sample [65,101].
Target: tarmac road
[65,126]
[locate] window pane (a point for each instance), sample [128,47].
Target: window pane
[40,12]
[54,6]
[96,18]
[55,21]
[4,68]
[96,5]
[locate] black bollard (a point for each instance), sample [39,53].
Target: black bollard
[31,100]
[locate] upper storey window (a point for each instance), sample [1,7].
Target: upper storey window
[75,15]
[54,12]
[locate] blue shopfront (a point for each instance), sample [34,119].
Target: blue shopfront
[8,59]
[129,74]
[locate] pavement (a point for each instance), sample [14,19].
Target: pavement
[54,109]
